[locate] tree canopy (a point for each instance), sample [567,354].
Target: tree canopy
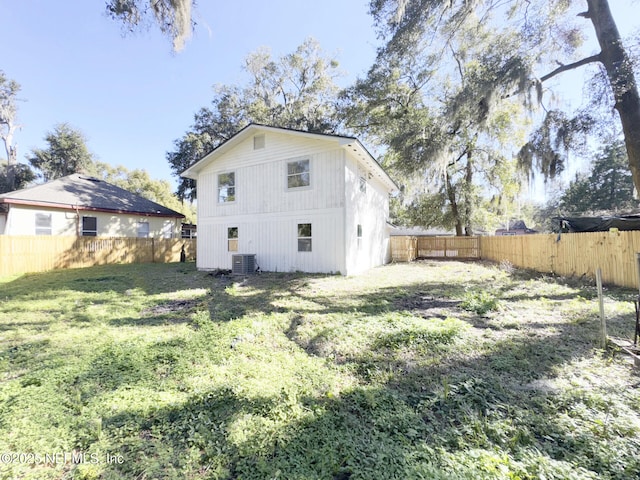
[608,188]
[66,153]
[12,174]
[296,90]
[173,17]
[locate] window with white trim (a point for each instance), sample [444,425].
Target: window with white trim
[299,174]
[227,187]
[43,224]
[143,229]
[89,227]
[359,236]
[232,239]
[304,237]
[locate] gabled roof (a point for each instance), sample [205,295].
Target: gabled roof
[81,192]
[348,143]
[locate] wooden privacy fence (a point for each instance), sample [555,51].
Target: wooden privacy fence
[407,249]
[571,254]
[22,254]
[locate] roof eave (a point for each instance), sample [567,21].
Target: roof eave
[66,206]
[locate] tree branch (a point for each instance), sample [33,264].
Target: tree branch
[571,66]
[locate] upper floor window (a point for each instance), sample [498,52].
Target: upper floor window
[298,174]
[43,224]
[258,142]
[359,236]
[227,187]
[143,229]
[363,180]
[89,226]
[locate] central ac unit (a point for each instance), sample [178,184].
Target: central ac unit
[243,264]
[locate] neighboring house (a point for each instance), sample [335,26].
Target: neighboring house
[516,228]
[85,206]
[299,201]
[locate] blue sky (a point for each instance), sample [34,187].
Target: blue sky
[132,97]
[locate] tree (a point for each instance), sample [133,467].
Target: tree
[173,17]
[608,188]
[65,154]
[295,91]
[15,177]
[547,38]
[140,182]
[8,110]
[446,120]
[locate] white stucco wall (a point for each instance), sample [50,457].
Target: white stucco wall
[21,220]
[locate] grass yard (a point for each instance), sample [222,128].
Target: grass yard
[431,370]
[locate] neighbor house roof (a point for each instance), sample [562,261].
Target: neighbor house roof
[82,192]
[349,143]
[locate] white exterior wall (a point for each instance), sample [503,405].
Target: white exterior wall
[21,220]
[370,209]
[267,213]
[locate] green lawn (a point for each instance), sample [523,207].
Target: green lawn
[414,371]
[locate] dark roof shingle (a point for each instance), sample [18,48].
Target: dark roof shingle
[87,193]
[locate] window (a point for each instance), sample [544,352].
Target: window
[298,174]
[227,187]
[89,226]
[167,229]
[304,237]
[232,239]
[258,142]
[359,235]
[363,180]
[143,229]
[43,224]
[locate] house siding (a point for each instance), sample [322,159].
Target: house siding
[369,209]
[21,220]
[267,213]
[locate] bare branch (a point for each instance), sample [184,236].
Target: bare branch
[571,66]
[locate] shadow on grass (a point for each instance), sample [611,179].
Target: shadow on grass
[469,417]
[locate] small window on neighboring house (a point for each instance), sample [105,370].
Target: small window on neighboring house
[232,239]
[227,187]
[43,224]
[143,229]
[298,174]
[359,235]
[258,142]
[167,229]
[304,237]
[89,226]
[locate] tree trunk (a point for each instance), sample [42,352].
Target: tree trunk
[621,78]
[468,179]
[451,193]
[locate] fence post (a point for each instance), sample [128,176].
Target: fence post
[603,321]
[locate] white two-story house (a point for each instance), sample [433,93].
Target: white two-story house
[299,201]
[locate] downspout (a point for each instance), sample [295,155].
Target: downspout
[77,220]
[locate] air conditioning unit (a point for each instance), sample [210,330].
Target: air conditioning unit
[243,264]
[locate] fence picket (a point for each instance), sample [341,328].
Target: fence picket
[24,254]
